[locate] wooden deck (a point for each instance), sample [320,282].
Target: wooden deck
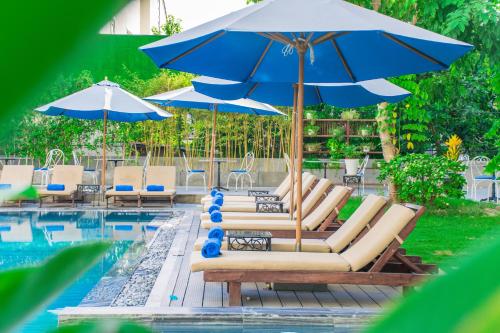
[187,289]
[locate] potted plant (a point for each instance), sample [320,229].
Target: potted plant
[337,132]
[351,158]
[365,130]
[312,146]
[349,115]
[311,130]
[310,114]
[366,147]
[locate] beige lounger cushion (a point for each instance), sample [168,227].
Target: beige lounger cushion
[236,217]
[356,223]
[160,175]
[126,175]
[307,182]
[251,225]
[280,245]
[69,175]
[325,208]
[300,261]
[318,192]
[379,237]
[18,176]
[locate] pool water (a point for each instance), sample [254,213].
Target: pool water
[28,238]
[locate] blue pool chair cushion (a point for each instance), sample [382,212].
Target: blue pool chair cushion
[216,216]
[124,188]
[239,171]
[41,169]
[124,227]
[211,248]
[485,177]
[56,187]
[4,228]
[5,186]
[197,171]
[216,232]
[155,188]
[218,200]
[213,208]
[53,228]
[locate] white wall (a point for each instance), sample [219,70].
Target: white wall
[137,18]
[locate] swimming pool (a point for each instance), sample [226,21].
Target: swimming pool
[28,238]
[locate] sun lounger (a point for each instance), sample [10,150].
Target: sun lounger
[308,184]
[374,259]
[66,178]
[127,182]
[16,177]
[364,218]
[319,220]
[160,183]
[254,195]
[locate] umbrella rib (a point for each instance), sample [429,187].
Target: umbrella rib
[194,48]
[414,50]
[259,62]
[269,36]
[251,91]
[323,38]
[319,94]
[344,61]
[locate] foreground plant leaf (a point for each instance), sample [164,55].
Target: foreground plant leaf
[463,300]
[108,326]
[28,193]
[25,291]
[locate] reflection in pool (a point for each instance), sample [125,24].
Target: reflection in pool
[27,238]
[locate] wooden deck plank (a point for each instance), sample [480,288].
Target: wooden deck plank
[212,295]
[194,291]
[307,299]
[289,299]
[375,294]
[326,299]
[249,295]
[390,292]
[225,295]
[360,296]
[268,296]
[343,297]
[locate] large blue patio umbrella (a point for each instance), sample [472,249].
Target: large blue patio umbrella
[107,101]
[188,98]
[320,41]
[343,95]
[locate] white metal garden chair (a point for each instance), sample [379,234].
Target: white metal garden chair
[92,172]
[243,172]
[361,173]
[478,178]
[54,157]
[193,172]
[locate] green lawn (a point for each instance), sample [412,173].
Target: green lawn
[451,231]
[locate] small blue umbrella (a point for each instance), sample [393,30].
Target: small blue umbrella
[107,101]
[188,98]
[344,95]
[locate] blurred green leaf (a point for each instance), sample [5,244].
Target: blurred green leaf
[465,299]
[37,36]
[28,193]
[26,290]
[108,326]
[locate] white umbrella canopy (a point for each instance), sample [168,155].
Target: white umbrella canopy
[107,101]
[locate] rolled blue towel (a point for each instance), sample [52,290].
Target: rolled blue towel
[216,216]
[211,248]
[220,194]
[213,193]
[213,208]
[55,187]
[5,186]
[124,188]
[155,188]
[216,232]
[219,201]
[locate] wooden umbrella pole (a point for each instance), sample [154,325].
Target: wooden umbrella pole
[301,50]
[212,149]
[292,153]
[104,132]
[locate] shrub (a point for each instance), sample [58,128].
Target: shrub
[421,178]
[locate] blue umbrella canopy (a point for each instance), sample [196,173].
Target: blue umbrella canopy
[345,95]
[189,98]
[344,42]
[108,98]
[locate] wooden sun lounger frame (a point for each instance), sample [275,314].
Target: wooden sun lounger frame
[391,268]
